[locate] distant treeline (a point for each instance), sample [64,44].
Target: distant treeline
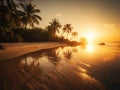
[19,20]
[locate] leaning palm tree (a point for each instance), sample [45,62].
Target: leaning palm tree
[63,31]
[68,29]
[28,14]
[54,26]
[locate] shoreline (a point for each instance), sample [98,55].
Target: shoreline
[13,50]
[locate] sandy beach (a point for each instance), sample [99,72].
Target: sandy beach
[13,50]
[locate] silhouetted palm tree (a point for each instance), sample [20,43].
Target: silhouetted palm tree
[54,26]
[28,15]
[9,3]
[68,29]
[74,34]
[2,3]
[63,31]
[7,12]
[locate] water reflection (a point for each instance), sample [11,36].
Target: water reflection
[63,68]
[68,54]
[17,75]
[90,48]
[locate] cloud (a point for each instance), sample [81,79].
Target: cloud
[59,15]
[111,27]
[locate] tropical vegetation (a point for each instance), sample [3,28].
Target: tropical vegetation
[19,20]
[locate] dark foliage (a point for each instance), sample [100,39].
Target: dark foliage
[17,25]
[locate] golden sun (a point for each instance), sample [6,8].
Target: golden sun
[90,36]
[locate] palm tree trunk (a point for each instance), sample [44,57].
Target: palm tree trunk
[71,38]
[67,35]
[26,26]
[62,34]
[2,3]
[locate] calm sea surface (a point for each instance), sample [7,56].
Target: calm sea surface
[90,67]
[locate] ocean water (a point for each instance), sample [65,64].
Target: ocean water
[90,67]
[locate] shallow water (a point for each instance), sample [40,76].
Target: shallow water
[90,67]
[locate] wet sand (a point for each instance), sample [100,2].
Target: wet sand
[13,50]
[63,68]
[46,70]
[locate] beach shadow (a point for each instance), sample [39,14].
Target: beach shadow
[1,47]
[108,73]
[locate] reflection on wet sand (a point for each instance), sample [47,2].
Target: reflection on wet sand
[20,76]
[63,68]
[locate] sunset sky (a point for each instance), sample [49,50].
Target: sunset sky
[101,17]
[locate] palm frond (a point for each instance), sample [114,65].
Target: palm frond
[23,6]
[35,20]
[36,16]
[36,11]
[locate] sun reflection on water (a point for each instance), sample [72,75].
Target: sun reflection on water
[82,70]
[90,48]
[83,74]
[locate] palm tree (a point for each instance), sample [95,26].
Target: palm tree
[54,26]
[74,34]
[28,15]
[7,12]
[9,3]
[64,30]
[68,29]
[2,3]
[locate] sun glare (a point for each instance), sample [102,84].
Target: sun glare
[90,48]
[90,36]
